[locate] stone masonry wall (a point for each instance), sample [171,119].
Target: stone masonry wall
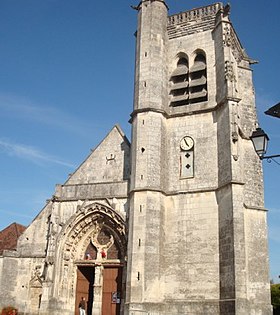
[191,253]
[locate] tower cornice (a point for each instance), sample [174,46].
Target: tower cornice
[149,1]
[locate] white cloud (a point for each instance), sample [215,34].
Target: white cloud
[24,109]
[18,214]
[30,153]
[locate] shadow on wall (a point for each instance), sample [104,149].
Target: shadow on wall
[125,146]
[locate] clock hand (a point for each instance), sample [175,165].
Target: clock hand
[186,142]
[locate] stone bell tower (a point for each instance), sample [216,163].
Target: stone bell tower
[149,133]
[197,225]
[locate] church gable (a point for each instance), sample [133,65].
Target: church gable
[108,162]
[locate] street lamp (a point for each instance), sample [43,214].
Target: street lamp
[260,140]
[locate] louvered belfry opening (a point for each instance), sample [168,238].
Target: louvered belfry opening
[180,83]
[189,85]
[198,80]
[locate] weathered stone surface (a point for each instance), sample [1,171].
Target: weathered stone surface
[191,245]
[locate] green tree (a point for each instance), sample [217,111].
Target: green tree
[275,298]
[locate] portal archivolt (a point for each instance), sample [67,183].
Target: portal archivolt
[97,233]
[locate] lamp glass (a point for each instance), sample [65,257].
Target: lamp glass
[259,145]
[260,141]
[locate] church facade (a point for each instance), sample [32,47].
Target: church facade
[173,222]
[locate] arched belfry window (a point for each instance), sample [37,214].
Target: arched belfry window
[198,80]
[188,83]
[179,83]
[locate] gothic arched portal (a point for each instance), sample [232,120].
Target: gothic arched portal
[91,259]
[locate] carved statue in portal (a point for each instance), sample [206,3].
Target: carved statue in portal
[102,249]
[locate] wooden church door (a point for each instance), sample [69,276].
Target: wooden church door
[85,281]
[112,287]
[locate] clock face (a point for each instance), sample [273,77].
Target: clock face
[186,143]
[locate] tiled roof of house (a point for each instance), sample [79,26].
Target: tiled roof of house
[9,236]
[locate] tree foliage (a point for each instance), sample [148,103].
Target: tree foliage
[275,298]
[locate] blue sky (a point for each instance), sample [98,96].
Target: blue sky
[66,78]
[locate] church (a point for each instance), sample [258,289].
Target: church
[174,222]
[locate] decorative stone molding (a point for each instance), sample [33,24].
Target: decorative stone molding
[73,192]
[227,39]
[193,21]
[195,14]
[82,228]
[229,72]
[36,280]
[230,40]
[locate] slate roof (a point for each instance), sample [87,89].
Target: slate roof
[10,235]
[274,111]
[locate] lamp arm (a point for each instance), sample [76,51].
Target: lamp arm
[269,156]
